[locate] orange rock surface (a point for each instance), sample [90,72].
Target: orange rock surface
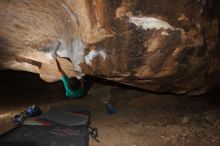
[157,45]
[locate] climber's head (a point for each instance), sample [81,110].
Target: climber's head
[74,83]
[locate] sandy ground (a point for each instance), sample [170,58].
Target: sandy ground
[142,118]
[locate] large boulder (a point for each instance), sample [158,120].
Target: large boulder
[157,45]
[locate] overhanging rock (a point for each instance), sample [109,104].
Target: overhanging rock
[157,45]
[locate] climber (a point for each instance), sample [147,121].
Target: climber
[74,88]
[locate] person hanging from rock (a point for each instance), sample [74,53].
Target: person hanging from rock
[74,88]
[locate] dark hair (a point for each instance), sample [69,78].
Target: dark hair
[74,83]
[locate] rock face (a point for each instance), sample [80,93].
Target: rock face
[157,45]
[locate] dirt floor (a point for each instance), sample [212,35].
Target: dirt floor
[142,118]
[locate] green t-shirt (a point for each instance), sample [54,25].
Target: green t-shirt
[70,92]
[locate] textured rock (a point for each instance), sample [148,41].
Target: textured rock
[158,45]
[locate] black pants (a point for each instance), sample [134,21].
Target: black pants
[88,82]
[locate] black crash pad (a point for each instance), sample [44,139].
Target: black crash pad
[60,126]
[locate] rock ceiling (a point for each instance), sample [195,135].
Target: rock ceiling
[157,45]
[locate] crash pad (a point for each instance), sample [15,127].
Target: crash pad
[60,126]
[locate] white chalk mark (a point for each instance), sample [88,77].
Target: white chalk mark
[92,54]
[76,54]
[164,33]
[73,51]
[150,23]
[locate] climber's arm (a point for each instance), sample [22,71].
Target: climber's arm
[59,67]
